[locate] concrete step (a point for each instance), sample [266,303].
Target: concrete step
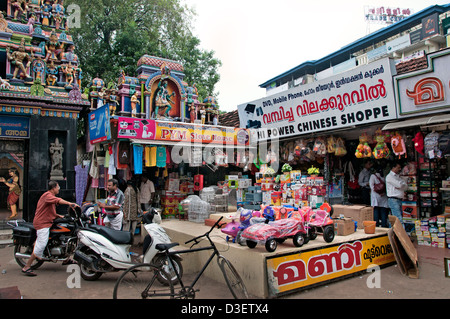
[5,237]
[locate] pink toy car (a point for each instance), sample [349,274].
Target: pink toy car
[321,222]
[276,232]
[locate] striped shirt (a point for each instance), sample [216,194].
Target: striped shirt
[114,199]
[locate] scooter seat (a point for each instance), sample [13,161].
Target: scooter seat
[162,247]
[116,236]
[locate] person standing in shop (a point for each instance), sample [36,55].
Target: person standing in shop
[147,190]
[14,191]
[395,190]
[379,201]
[363,181]
[113,206]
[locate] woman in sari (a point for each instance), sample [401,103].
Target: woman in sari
[14,191]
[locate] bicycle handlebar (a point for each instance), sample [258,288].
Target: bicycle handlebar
[217,224]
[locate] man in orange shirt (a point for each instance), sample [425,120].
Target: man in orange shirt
[43,220]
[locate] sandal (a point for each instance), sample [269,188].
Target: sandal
[28,272]
[69,262]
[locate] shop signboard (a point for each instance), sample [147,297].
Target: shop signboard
[14,126]
[301,269]
[198,133]
[99,125]
[424,91]
[359,96]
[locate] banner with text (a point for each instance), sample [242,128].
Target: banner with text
[300,270]
[359,96]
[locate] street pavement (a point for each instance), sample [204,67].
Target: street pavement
[52,281]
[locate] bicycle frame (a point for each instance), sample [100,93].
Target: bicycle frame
[192,250]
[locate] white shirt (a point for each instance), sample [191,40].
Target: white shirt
[146,192]
[395,185]
[377,200]
[363,178]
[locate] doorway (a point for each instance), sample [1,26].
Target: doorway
[12,155]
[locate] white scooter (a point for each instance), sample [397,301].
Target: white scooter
[102,249]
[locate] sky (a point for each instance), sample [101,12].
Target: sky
[257,40]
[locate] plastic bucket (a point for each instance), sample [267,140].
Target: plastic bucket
[369,226]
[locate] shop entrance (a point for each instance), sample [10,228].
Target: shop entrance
[12,155]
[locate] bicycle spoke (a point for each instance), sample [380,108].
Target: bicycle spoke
[139,282]
[232,278]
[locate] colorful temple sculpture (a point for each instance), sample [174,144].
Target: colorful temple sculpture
[157,92]
[40,97]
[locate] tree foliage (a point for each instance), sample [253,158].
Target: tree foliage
[115,34]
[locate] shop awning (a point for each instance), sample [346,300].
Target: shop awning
[435,120]
[182,144]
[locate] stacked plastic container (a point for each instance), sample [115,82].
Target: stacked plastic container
[198,209]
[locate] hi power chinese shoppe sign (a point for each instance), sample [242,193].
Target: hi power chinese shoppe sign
[360,96]
[311,267]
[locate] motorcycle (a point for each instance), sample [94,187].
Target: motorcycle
[102,249]
[61,244]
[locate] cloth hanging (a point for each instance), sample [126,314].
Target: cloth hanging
[137,158]
[161,156]
[81,181]
[147,156]
[112,165]
[153,156]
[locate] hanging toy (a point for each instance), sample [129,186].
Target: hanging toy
[363,149]
[381,150]
[340,149]
[331,144]
[418,143]
[398,145]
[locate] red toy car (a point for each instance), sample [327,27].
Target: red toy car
[276,232]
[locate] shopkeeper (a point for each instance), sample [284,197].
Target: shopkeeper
[363,181]
[147,193]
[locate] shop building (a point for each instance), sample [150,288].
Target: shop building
[358,104]
[40,100]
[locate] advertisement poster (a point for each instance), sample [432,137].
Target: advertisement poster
[307,268]
[99,126]
[131,127]
[14,126]
[360,96]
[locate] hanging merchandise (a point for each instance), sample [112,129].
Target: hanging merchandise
[124,153]
[444,143]
[418,142]
[331,144]
[431,145]
[320,147]
[381,150]
[198,182]
[137,158]
[340,149]
[352,182]
[161,156]
[398,145]
[363,149]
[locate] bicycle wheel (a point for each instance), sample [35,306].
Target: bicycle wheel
[140,282]
[232,278]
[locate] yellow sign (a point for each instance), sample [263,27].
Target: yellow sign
[205,134]
[306,268]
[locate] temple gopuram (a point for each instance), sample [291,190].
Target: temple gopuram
[40,99]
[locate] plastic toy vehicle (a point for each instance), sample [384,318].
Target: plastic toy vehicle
[321,222]
[276,232]
[231,229]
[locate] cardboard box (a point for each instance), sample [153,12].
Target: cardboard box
[358,213]
[344,226]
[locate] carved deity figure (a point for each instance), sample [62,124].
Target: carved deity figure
[69,71]
[134,104]
[18,58]
[56,154]
[163,100]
